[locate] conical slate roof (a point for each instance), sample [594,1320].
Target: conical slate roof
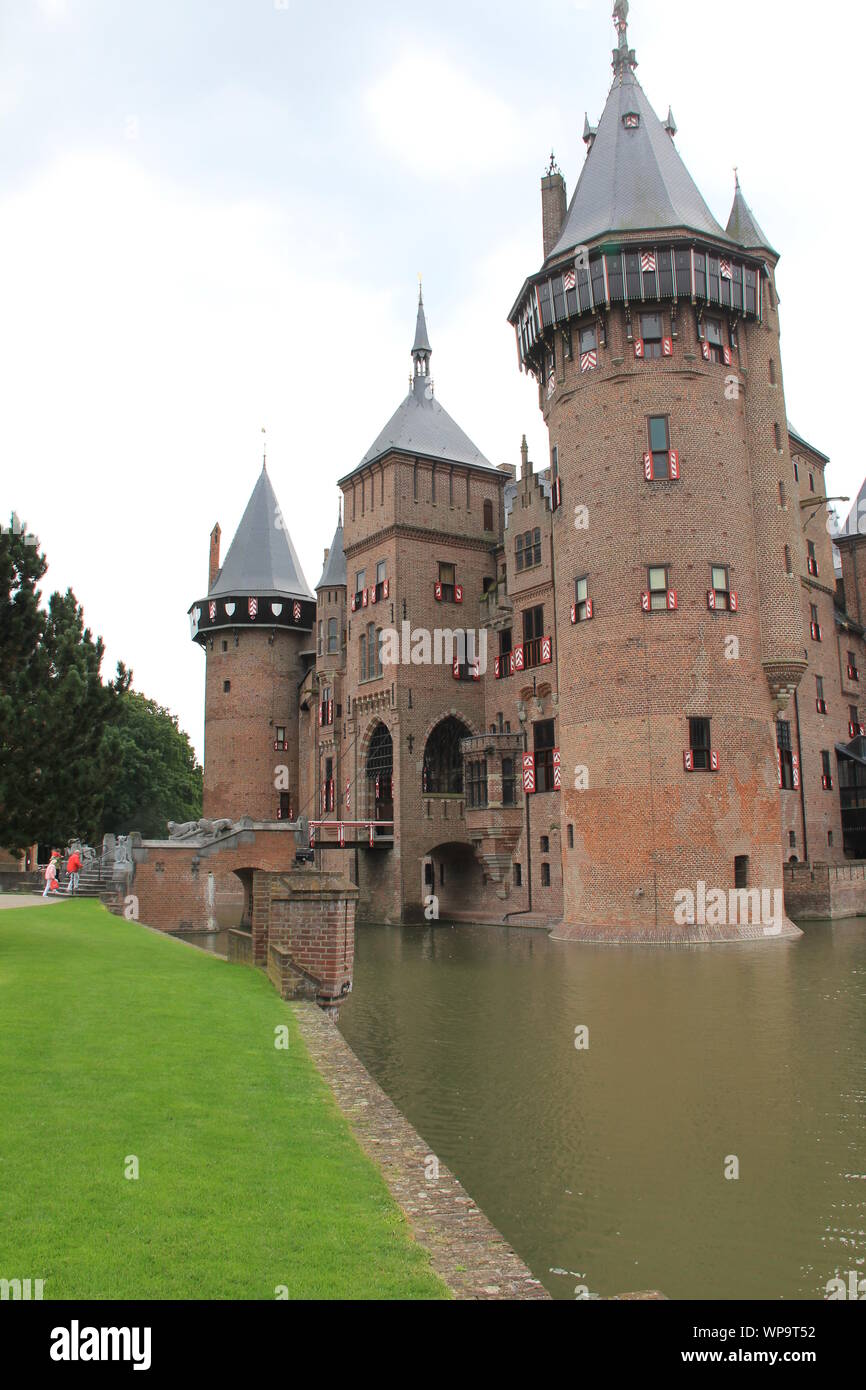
[633,178]
[334,572]
[421,426]
[743,227]
[261,559]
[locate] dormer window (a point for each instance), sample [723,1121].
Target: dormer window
[631,120]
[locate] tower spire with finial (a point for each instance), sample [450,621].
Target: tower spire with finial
[421,349]
[623,56]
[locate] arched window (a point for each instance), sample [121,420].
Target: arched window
[488,515]
[443,760]
[380,777]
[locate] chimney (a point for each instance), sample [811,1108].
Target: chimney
[327,553]
[552,207]
[214,565]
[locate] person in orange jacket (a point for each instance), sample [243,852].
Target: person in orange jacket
[73,866]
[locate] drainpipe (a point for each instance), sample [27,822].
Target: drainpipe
[528,799]
[802,780]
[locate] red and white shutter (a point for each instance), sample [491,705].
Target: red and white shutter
[253,607]
[348,795]
[574,612]
[734,601]
[354,604]
[330,711]
[365,598]
[517,659]
[386,588]
[645,601]
[795,767]
[667,347]
[546,651]
[779,764]
[321,721]
[475,668]
[437,592]
[528,773]
[672,598]
[557,770]
[458,593]
[638,347]
[590,608]
[211,608]
[674,458]
[455,669]
[714,761]
[705,351]
[688,760]
[648,467]
[726,353]
[296,612]
[496,671]
[711,600]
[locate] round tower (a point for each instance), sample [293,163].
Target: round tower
[254,624]
[653,334]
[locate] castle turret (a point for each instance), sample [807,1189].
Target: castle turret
[254,625]
[653,335]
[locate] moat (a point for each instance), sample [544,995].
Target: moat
[605,1166]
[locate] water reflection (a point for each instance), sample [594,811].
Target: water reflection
[608,1164]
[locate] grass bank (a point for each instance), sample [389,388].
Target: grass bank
[116,1044]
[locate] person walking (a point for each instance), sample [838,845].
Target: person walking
[51,873]
[73,867]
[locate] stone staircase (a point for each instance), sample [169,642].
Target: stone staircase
[95,881]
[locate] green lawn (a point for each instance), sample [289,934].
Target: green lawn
[115,1041]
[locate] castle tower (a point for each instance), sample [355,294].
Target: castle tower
[253,625]
[653,334]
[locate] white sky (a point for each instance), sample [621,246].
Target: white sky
[212,217]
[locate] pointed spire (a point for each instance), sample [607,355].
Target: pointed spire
[670,124]
[742,224]
[589,131]
[421,349]
[524,458]
[624,60]
[261,559]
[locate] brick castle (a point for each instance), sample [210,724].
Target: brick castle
[663,687]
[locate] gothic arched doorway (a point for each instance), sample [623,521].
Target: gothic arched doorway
[380,777]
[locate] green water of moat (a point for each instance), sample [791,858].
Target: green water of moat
[605,1167]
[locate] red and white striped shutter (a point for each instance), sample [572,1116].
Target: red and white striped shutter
[320,716]
[510,660]
[528,773]
[667,347]
[672,598]
[373,593]
[348,795]
[557,493]
[365,598]
[705,351]
[726,353]
[734,601]
[711,600]
[795,767]
[455,669]
[353,603]
[714,761]
[296,612]
[517,656]
[779,764]
[386,588]
[371,835]
[638,347]
[437,592]
[645,601]
[557,770]
[324,797]
[546,650]
[475,667]
[574,612]
[342,834]
[590,608]
[648,467]
[496,667]
[674,457]
[458,593]
[688,760]
[211,608]
[330,711]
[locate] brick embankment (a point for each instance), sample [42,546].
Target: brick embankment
[466,1250]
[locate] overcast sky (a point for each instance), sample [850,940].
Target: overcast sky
[212,218]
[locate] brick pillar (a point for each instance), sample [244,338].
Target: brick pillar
[310,933]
